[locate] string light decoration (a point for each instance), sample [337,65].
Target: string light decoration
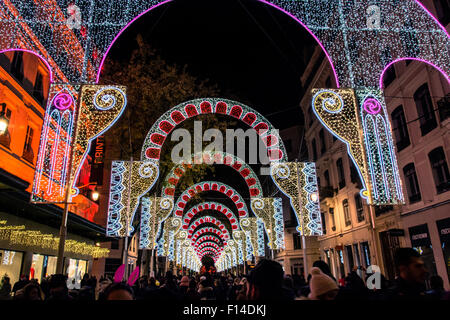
[369,143]
[211,186]
[125,193]
[254,230]
[297,180]
[74,117]
[161,129]
[206,220]
[270,211]
[19,235]
[358,48]
[153,212]
[241,240]
[52,164]
[171,226]
[213,206]
[383,170]
[211,157]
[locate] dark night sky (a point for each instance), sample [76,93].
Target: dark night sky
[254,52]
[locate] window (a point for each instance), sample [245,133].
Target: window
[442,11]
[389,76]
[440,170]
[297,240]
[412,184]
[354,176]
[324,225]
[341,174]
[347,218]
[314,149]
[365,250]
[38,90]
[333,221]
[444,107]
[323,146]
[425,110]
[400,128]
[359,208]
[17,65]
[5,138]
[326,175]
[27,148]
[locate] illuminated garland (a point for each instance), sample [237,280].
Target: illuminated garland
[19,235]
[214,206]
[254,230]
[157,135]
[126,193]
[153,212]
[270,211]
[211,186]
[203,220]
[175,174]
[297,180]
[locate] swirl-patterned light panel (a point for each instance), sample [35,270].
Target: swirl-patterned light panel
[270,211]
[253,228]
[153,212]
[74,118]
[298,181]
[361,122]
[129,181]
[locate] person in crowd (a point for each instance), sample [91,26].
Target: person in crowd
[411,271]
[22,282]
[32,292]
[354,288]
[84,280]
[234,289]
[266,282]
[324,267]
[288,285]
[118,291]
[58,288]
[5,289]
[322,286]
[205,290]
[184,284]
[192,293]
[220,289]
[241,293]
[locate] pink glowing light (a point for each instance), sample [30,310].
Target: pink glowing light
[263,1]
[63,101]
[372,106]
[415,59]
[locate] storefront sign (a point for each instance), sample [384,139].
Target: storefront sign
[419,236]
[98,156]
[444,229]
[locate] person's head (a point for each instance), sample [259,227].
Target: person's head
[32,292]
[58,285]
[322,286]
[119,291]
[184,281]
[192,284]
[410,266]
[323,266]
[5,280]
[152,282]
[265,280]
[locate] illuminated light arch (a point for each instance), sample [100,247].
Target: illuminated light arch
[161,129]
[211,186]
[381,85]
[205,219]
[203,244]
[210,237]
[207,230]
[313,15]
[210,205]
[221,158]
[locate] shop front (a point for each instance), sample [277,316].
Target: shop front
[420,241]
[444,235]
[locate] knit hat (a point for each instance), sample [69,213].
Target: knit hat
[320,283]
[202,278]
[184,281]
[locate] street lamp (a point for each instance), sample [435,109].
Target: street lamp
[95,195]
[3,121]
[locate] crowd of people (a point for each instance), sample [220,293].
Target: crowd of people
[266,281]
